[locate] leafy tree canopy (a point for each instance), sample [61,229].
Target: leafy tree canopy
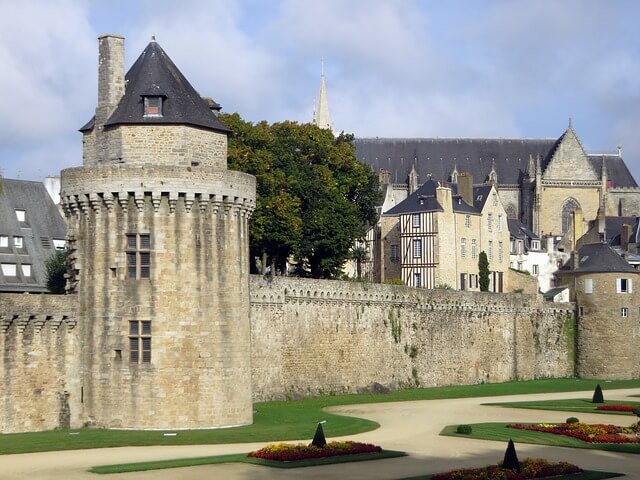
[56,266]
[313,199]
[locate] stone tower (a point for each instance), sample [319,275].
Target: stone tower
[603,286]
[157,227]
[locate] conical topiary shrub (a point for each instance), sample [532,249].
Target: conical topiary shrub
[597,395]
[318,439]
[511,458]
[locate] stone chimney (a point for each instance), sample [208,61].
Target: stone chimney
[110,76]
[624,237]
[465,187]
[601,219]
[443,195]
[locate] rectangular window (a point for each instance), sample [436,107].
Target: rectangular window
[8,269]
[623,285]
[474,248]
[4,241]
[520,247]
[417,279]
[534,269]
[500,223]
[17,242]
[499,251]
[490,222]
[463,247]
[467,221]
[58,244]
[535,244]
[140,341]
[152,106]
[624,312]
[395,253]
[26,270]
[588,285]
[138,255]
[581,311]
[21,215]
[490,253]
[416,220]
[417,248]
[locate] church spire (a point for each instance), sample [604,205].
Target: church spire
[321,116]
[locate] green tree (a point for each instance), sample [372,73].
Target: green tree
[483,271]
[56,266]
[359,255]
[314,199]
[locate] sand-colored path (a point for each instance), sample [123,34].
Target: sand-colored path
[409,426]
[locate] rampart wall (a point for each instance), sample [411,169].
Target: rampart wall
[39,363]
[312,336]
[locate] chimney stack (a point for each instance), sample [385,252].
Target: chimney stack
[465,187]
[110,76]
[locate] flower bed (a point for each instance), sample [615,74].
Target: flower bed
[618,408]
[529,468]
[285,452]
[598,433]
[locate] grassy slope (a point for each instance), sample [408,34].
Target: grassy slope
[583,405]
[286,420]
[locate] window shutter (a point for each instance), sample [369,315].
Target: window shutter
[618,285]
[629,283]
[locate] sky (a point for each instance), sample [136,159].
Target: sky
[393,68]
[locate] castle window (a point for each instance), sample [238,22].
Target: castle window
[152,106]
[417,248]
[623,285]
[474,248]
[416,220]
[463,247]
[588,285]
[624,312]
[395,253]
[139,341]
[467,221]
[8,269]
[138,255]
[4,241]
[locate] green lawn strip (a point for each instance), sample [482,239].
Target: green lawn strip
[569,405]
[500,432]
[241,458]
[287,420]
[586,475]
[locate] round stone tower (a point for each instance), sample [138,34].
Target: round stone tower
[602,284]
[157,228]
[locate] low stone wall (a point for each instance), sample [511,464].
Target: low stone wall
[39,362]
[522,282]
[311,337]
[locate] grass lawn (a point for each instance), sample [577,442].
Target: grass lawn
[586,475]
[242,458]
[499,432]
[579,405]
[285,420]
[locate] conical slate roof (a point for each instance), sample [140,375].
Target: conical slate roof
[153,73]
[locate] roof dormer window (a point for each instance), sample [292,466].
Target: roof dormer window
[153,106]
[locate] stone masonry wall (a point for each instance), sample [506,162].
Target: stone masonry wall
[311,337]
[39,362]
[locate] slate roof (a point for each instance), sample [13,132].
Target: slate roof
[424,200]
[598,258]
[43,223]
[519,230]
[480,195]
[153,73]
[439,156]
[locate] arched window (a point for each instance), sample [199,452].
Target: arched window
[570,205]
[512,211]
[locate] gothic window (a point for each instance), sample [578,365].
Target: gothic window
[512,211]
[138,255]
[570,206]
[140,341]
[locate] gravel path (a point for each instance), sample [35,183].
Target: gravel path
[409,426]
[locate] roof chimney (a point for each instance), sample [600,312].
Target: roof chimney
[465,187]
[110,75]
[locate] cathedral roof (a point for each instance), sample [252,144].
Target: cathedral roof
[439,157]
[155,74]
